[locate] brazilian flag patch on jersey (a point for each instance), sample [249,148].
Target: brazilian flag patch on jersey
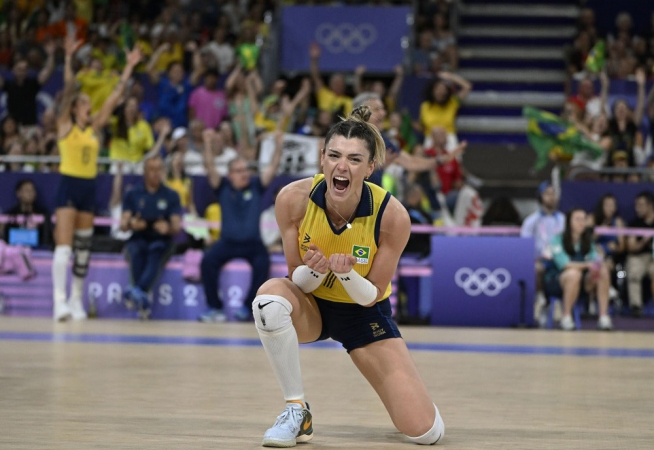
[362,254]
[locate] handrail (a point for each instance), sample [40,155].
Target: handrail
[579,170]
[9,159]
[417,229]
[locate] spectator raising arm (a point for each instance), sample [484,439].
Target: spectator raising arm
[49,66]
[102,117]
[232,79]
[288,107]
[269,173]
[213,177]
[604,92]
[464,85]
[314,56]
[358,76]
[151,69]
[164,131]
[198,66]
[641,77]
[252,81]
[396,86]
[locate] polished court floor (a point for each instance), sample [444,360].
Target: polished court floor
[183,385]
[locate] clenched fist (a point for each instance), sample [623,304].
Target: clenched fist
[315,259]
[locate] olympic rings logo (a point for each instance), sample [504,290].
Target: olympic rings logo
[482,281]
[346,37]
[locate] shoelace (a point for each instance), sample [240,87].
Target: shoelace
[289,419]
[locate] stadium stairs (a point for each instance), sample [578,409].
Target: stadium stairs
[513,53]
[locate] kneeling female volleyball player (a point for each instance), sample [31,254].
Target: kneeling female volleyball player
[342,240]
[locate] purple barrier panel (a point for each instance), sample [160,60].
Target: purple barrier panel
[46,189]
[173,298]
[586,194]
[481,281]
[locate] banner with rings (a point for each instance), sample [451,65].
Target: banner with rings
[482,281]
[349,36]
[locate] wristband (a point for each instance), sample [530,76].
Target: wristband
[358,288]
[307,279]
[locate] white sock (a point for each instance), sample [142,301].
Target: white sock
[435,433]
[283,350]
[59,267]
[76,290]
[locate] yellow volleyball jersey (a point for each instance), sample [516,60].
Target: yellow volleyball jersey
[360,241]
[79,153]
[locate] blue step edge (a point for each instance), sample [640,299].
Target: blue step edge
[512,63]
[517,87]
[512,21]
[495,111]
[536,41]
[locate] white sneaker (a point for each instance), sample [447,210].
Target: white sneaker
[77,311]
[539,305]
[567,323]
[292,426]
[61,312]
[557,313]
[605,323]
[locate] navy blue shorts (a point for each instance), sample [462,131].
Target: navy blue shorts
[354,325]
[78,193]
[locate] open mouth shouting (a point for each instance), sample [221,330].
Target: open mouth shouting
[340,184]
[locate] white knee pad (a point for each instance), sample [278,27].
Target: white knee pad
[271,312]
[434,435]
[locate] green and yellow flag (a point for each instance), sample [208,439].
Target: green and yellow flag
[596,59]
[552,137]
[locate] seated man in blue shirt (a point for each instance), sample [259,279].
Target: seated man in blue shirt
[239,195]
[153,213]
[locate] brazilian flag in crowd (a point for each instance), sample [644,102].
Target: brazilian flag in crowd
[596,58]
[554,138]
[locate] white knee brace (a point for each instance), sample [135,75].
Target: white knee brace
[434,435]
[271,312]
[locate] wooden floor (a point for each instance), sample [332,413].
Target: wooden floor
[182,385]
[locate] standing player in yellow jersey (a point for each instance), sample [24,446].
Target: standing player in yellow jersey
[78,135]
[342,239]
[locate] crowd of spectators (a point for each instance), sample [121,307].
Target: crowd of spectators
[626,49]
[211,106]
[200,70]
[621,127]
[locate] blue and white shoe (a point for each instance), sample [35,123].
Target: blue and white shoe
[244,314]
[128,297]
[212,316]
[293,425]
[142,302]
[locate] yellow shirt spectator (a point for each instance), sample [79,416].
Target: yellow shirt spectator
[328,101]
[174,54]
[183,187]
[213,213]
[109,60]
[84,9]
[97,85]
[139,141]
[434,115]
